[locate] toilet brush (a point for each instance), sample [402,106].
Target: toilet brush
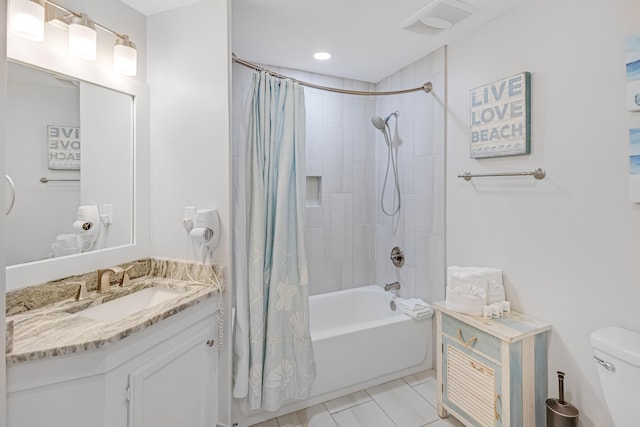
[560,413]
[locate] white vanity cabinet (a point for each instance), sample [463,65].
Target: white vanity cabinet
[491,372]
[163,375]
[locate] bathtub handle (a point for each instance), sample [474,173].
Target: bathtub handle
[468,343]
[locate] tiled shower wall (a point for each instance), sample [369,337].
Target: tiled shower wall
[345,158]
[419,228]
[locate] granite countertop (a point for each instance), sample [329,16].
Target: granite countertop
[56,329]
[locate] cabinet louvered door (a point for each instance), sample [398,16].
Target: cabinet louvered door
[471,385]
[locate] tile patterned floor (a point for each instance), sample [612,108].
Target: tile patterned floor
[406,402]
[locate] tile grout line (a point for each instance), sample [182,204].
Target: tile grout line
[381,408]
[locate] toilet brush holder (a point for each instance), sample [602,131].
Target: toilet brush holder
[561,413]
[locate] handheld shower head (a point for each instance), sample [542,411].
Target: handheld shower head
[379,122]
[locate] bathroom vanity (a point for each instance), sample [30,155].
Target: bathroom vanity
[94,362]
[491,372]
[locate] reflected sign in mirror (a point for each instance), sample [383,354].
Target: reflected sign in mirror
[70,148]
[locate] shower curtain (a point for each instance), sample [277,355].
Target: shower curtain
[273,357]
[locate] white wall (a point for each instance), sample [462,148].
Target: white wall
[190,149]
[189,121]
[569,244]
[418,229]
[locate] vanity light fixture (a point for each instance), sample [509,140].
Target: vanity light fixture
[322,56]
[82,38]
[125,56]
[27,19]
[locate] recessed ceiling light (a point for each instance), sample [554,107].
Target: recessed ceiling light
[322,56]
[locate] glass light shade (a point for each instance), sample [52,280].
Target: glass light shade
[82,38]
[125,57]
[27,19]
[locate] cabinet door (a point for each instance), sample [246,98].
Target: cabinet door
[471,385]
[177,387]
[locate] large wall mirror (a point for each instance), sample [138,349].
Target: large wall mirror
[69,154]
[77,147]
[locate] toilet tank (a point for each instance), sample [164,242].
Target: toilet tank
[617,354]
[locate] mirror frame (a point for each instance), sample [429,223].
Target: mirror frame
[41,56]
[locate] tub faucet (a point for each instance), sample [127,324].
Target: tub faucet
[392,286]
[104,278]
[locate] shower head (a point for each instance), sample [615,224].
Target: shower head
[380,123]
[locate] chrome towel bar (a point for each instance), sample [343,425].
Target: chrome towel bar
[537,174]
[44,180]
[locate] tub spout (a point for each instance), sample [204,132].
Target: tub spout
[392,286]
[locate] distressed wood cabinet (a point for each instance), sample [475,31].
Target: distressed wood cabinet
[491,372]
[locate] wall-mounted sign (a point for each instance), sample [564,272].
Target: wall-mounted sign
[501,117]
[63,143]
[632,53]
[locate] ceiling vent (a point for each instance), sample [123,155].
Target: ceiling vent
[437,16]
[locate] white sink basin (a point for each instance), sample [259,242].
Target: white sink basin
[125,306]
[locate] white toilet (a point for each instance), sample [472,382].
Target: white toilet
[617,353]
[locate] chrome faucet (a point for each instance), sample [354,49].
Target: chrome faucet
[392,286]
[104,278]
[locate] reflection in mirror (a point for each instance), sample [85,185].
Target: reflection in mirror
[70,154]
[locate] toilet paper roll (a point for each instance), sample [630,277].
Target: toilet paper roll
[82,226]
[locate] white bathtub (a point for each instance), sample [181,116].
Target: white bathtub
[358,339]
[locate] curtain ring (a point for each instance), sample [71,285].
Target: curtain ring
[12,187]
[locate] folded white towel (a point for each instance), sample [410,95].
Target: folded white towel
[412,303]
[425,313]
[494,287]
[467,304]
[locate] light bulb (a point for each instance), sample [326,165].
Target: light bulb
[82,38]
[125,56]
[27,19]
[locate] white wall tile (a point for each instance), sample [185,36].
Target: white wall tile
[363,255]
[333,109]
[423,125]
[314,104]
[314,216]
[363,193]
[424,193]
[316,259]
[338,229]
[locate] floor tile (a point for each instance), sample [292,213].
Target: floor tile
[447,422]
[428,390]
[403,404]
[269,423]
[315,416]
[365,415]
[346,402]
[420,377]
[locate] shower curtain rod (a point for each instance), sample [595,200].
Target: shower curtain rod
[425,87]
